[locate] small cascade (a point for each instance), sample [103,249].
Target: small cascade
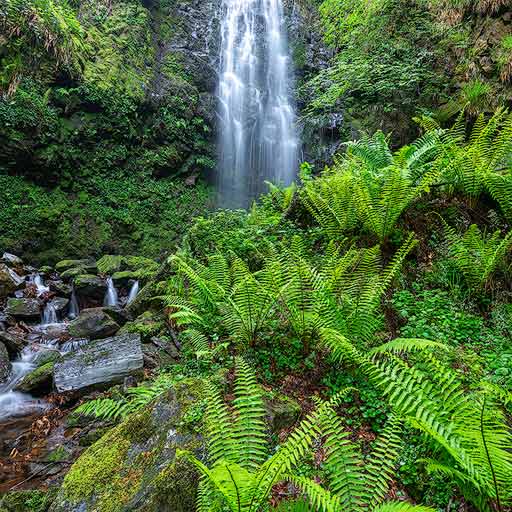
[14,403]
[111,298]
[134,290]
[37,280]
[74,308]
[50,314]
[72,345]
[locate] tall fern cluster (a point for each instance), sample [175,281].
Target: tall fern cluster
[241,472]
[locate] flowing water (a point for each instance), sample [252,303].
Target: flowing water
[50,314]
[111,298]
[74,308]
[134,290]
[258,139]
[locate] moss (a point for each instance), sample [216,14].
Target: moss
[71,272]
[67,264]
[109,263]
[101,464]
[140,427]
[40,376]
[28,500]
[175,484]
[147,324]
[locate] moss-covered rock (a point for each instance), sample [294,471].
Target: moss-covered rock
[282,411]
[71,272]
[28,501]
[85,264]
[9,280]
[134,466]
[123,277]
[109,263]
[23,308]
[89,286]
[38,381]
[93,323]
[148,324]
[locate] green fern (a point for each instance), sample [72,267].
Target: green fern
[134,400]
[468,428]
[476,255]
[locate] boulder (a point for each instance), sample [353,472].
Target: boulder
[134,466]
[109,264]
[101,362]
[13,343]
[23,308]
[60,303]
[38,382]
[60,287]
[5,364]
[93,323]
[148,324]
[119,315]
[10,281]
[86,264]
[282,411]
[12,260]
[71,272]
[90,286]
[123,278]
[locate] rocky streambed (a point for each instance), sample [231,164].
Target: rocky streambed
[66,332]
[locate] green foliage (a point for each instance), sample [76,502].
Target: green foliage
[468,429]
[49,225]
[134,400]
[370,186]
[36,29]
[478,256]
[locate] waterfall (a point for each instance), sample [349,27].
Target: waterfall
[37,280]
[74,309]
[49,314]
[258,140]
[111,298]
[133,292]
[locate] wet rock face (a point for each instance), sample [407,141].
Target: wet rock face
[319,133]
[10,281]
[93,323]
[194,42]
[90,286]
[5,364]
[101,362]
[13,343]
[134,467]
[23,308]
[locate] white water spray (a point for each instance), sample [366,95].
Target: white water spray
[258,139]
[111,298]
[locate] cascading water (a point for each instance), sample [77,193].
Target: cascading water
[49,314]
[134,290]
[14,403]
[37,280]
[74,309]
[111,298]
[258,139]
